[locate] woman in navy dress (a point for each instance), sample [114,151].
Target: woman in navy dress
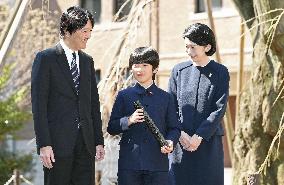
[201,90]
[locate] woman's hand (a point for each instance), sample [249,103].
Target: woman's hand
[184,140]
[195,142]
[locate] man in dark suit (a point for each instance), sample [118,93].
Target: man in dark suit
[65,105]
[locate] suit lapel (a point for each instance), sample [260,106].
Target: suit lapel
[63,63]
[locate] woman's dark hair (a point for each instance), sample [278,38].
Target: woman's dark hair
[201,35]
[73,19]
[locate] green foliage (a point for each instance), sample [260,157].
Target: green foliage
[11,116]
[9,162]
[11,119]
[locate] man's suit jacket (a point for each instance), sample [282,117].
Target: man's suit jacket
[56,107]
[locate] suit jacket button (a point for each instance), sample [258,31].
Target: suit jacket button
[76,120]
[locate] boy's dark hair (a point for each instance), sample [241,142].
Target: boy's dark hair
[74,19]
[144,55]
[201,35]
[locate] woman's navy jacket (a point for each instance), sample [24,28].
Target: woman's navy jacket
[200,99]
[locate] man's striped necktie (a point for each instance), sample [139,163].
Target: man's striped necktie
[75,73]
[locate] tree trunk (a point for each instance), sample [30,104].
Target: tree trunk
[258,119]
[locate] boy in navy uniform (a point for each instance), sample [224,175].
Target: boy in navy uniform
[142,161]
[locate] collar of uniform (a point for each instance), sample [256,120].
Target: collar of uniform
[141,90]
[208,64]
[190,63]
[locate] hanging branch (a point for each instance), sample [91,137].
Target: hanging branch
[271,29]
[266,162]
[115,78]
[253,178]
[116,74]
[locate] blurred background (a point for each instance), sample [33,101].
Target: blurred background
[250,44]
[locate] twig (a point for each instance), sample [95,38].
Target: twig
[266,162]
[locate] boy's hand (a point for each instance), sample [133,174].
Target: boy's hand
[136,117]
[167,148]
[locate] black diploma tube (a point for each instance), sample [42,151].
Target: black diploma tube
[151,125]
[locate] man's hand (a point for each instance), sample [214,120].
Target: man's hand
[195,141]
[184,140]
[167,148]
[47,156]
[136,117]
[100,152]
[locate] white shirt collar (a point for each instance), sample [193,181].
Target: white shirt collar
[148,86]
[69,54]
[66,48]
[195,64]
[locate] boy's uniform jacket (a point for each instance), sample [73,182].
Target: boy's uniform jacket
[139,150]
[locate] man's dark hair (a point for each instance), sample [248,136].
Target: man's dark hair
[73,19]
[144,55]
[201,35]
